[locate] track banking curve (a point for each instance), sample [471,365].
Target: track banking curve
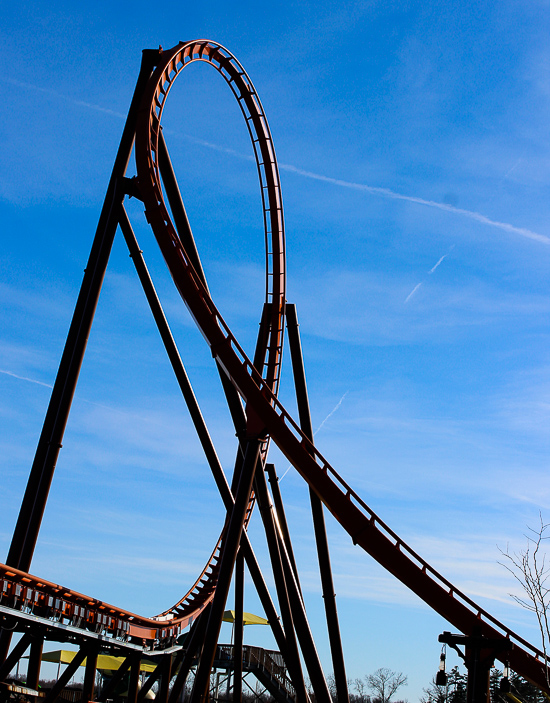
[269,417]
[257,385]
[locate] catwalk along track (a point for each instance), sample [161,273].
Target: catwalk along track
[29,604]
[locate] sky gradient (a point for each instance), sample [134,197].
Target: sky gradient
[413,147]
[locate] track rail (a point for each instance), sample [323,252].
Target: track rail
[270,348]
[269,416]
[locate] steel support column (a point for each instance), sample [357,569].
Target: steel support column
[238,629]
[317,512]
[293,661]
[151,679]
[35,660]
[192,646]
[185,234]
[170,345]
[281,517]
[15,655]
[290,595]
[133,683]
[88,687]
[478,656]
[179,214]
[165,676]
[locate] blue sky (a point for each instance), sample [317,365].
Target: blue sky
[412,140]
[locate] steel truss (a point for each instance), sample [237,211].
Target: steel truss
[42,610]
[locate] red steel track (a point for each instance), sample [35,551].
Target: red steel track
[258,388]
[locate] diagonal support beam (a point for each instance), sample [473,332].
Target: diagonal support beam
[51,438]
[15,655]
[67,675]
[290,596]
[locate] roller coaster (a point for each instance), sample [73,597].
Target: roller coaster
[39,610]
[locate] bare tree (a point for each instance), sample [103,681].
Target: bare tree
[359,686]
[530,569]
[384,683]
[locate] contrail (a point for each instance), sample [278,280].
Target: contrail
[440,260]
[67,98]
[413,292]
[331,413]
[82,400]
[429,272]
[512,169]
[387,193]
[373,190]
[24,378]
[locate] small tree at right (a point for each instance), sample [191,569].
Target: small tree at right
[531,570]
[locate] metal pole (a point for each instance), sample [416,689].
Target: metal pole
[284,576]
[35,659]
[185,234]
[133,683]
[239,625]
[281,517]
[15,655]
[165,676]
[89,673]
[148,683]
[67,675]
[325,570]
[170,345]
[193,643]
[292,659]
[179,214]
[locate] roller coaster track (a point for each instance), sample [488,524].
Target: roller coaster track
[257,385]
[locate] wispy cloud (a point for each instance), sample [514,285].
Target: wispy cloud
[331,413]
[25,378]
[430,273]
[434,267]
[363,187]
[387,193]
[413,292]
[62,96]
[441,260]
